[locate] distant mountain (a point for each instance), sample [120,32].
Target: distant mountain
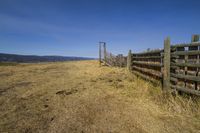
[34,58]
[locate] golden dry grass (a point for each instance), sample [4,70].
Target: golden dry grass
[81,97]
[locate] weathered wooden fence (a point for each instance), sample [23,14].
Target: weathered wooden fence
[148,65]
[176,66]
[109,58]
[185,67]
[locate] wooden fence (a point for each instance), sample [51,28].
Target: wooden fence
[185,67]
[110,59]
[176,66]
[148,65]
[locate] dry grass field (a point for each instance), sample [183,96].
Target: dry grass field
[81,97]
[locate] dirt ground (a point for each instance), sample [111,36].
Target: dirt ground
[81,97]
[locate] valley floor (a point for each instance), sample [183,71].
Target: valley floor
[81,97]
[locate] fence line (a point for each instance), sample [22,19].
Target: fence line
[176,66]
[111,59]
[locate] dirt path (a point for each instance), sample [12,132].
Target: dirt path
[81,97]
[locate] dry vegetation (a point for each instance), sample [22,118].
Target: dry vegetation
[82,97]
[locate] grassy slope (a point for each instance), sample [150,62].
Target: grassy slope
[82,97]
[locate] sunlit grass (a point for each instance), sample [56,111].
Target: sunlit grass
[83,97]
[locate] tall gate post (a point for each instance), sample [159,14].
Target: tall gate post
[129,60]
[99,53]
[104,47]
[166,69]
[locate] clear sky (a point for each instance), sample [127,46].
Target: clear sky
[74,27]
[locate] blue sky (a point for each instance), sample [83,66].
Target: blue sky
[74,27]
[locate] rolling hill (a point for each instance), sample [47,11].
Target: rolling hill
[34,58]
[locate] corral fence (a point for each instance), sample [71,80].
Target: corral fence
[109,59]
[176,66]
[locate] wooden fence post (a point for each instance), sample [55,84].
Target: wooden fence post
[166,69]
[104,47]
[99,53]
[195,38]
[129,59]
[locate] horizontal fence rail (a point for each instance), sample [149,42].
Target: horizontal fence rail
[175,66]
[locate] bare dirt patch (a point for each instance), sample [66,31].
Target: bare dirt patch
[64,92]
